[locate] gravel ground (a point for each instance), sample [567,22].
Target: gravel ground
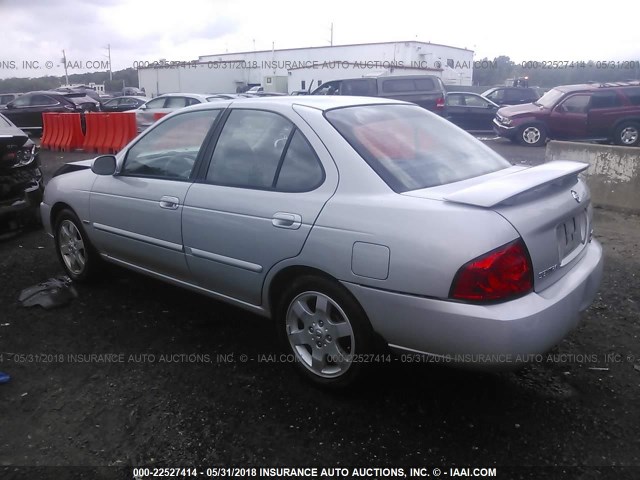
[178,393]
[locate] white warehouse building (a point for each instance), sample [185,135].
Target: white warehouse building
[295,69]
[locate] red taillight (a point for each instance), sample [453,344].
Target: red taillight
[500,275]
[440,103]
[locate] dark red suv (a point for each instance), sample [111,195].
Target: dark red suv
[608,111]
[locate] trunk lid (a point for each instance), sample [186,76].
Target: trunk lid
[548,205]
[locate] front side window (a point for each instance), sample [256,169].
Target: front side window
[410,148]
[475,101]
[170,149]
[576,104]
[455,100]
[156,103]
[42,101]
[21,102]
[329,88]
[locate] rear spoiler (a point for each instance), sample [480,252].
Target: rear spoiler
[498,190]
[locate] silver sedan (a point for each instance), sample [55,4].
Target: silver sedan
[353,223]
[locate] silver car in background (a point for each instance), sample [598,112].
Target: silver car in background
[162,105]
[346,220]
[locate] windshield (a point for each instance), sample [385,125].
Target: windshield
[411,148]
[550,98]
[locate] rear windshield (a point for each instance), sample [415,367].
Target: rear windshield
[411,148]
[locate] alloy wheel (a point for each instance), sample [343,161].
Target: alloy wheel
[320,334]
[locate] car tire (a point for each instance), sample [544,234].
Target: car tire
[325,342]
[627,134]
[78,257]
[532,135]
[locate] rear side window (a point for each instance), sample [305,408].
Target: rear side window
[263,150]
[398,86]
[633,94]
[176,102]
[301,170]
[425,84]
[404,85]
[410,148]
[605,100]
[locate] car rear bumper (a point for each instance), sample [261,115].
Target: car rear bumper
[498,336]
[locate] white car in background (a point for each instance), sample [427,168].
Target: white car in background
[162,105]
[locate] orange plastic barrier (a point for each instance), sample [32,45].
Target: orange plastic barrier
[109,132]
[48,128]
[158,116]
[61,131]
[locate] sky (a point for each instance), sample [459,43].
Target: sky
[146,30]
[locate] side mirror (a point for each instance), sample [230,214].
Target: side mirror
[143,107]
[9,106]
[104,165]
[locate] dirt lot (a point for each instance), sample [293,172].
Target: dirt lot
[173,395]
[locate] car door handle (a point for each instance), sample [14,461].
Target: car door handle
[170,203]
[286,220]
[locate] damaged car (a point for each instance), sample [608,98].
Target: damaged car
[21,184]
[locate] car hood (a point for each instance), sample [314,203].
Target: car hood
[513,110]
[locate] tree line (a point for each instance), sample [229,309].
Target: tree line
[551,73]
[122,78]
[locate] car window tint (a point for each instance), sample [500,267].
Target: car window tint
[22,101]
[42,101]
[156,103]
[424,84]
[358,87]
[329,88]
[455,100]
[249,149]
[176,102]
[301,170]
[398,85]
[605,100]
[410,148]
[170,149]
[633,94]
[473,101]
[576,104]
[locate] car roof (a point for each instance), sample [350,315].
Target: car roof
[320,102]
[596,86]
[201,96]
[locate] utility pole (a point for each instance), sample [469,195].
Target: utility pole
[64,61]
[109,53]
[331,34]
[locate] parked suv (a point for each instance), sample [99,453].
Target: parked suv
[511,95]
[424,90]
[597,112]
